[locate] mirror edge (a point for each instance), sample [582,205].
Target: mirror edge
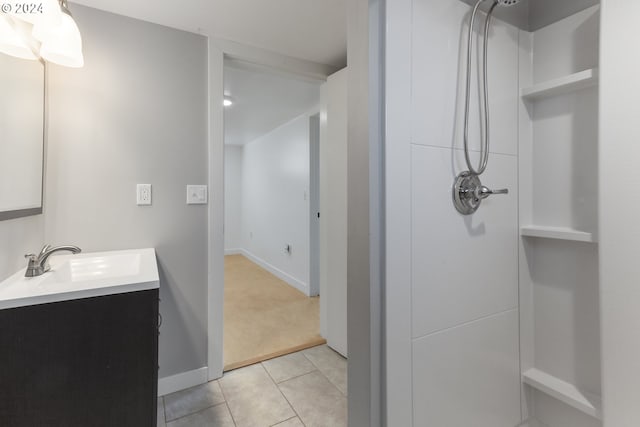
[22,213]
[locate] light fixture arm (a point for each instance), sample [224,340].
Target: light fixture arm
[64,6]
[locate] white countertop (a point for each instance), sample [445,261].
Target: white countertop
[84,275]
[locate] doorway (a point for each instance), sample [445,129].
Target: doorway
[271,266]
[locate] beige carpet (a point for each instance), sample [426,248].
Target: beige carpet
[264,317]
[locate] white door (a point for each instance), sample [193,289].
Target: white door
[333,212]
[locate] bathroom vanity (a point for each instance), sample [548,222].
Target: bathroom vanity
[79,344]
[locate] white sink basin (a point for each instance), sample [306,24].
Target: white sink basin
[84,275]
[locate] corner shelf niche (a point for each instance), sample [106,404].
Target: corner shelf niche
[559,233]
[566,392]
[562,85]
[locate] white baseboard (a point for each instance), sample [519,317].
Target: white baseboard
[233,251]
[299,285]
[182,381]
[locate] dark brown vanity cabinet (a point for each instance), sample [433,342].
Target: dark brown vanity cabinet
[82,363]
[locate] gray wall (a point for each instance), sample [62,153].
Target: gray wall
[136,113]
[18,237]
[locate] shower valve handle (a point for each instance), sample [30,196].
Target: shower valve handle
[482,192]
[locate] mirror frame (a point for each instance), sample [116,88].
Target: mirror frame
[21,213]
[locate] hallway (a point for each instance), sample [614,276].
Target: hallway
[264,317]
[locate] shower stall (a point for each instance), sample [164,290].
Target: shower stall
[493,304]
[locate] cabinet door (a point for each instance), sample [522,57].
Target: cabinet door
[90,362]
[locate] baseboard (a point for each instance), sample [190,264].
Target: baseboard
[237,251]
[182,381]
[299,285]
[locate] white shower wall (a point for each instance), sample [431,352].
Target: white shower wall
[472,307]
[464,281]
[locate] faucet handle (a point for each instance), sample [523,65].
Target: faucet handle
[44,249]
[482,192]
[33,259]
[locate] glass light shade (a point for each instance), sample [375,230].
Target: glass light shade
[12,41]
[64,46]
[49,24]
[50,12]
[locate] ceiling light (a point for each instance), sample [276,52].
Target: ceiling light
[227,102]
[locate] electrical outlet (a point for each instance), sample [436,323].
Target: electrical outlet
[143,195]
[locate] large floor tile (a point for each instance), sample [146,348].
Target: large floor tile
[161,422]
[254,399]
[217,416]
[289,366]
[192,400]
[293,422]
[316,400]
[331,364]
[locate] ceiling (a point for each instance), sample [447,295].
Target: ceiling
[263,100]
[314,30]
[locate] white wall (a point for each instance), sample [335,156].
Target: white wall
[232,198]
[452,281]
[333,207]
[136,113]
[618,214]
[275,201]
[560,277]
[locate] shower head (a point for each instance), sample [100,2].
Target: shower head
[507,2]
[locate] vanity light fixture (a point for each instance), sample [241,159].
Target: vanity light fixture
[12,41]
[52,34]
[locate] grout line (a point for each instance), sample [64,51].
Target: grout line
[284,397]
[233,420]
[226,402]
[284,421]
[418,144]
[197,412]
[467,323]
[326,376]
[298,376]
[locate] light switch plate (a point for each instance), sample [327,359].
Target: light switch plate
[143,194]
[197,195]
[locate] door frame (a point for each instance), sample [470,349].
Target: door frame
[219,51]
[314,205]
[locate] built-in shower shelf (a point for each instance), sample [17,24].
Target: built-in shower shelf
[562,85]
[568,393]
[559,233]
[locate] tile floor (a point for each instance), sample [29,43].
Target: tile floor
[307,388]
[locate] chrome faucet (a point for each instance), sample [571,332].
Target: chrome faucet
[39,264]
